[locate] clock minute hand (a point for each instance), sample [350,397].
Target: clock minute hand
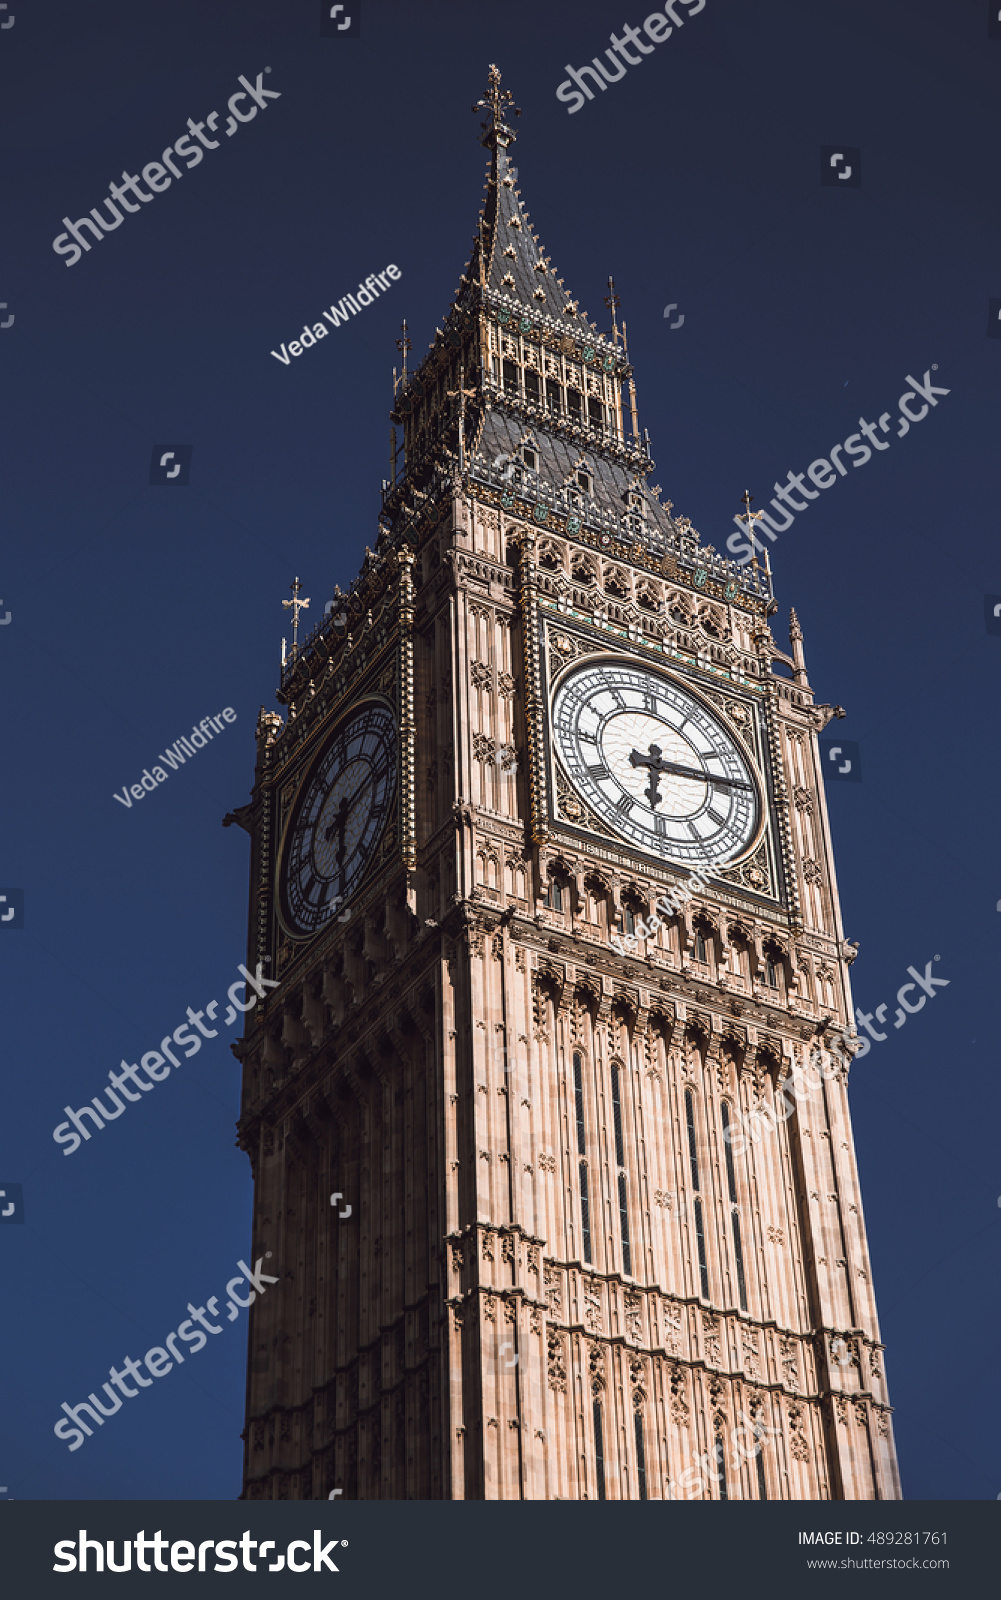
[704,777]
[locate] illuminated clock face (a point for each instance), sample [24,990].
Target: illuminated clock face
[655,764]
[339,819]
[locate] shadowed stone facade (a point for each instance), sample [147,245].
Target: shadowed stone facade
[552,1282]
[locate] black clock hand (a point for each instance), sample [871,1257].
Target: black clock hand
[703,777]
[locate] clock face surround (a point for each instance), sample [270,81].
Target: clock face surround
[654,763]
[338,819]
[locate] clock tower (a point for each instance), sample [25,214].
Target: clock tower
[559,1202]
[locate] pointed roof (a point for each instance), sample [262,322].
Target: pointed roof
[507,249]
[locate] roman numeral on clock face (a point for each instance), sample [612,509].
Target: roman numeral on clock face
[598,772]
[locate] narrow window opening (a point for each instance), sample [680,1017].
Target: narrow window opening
[599,1450]
[700,945]
[640,1454]
[530,458]
[731,1178]
[692,1147]
[759,1459]
[532,389]
[627,1259]
[721,1468]
[578,1090]
[701,1240]
[617,1117]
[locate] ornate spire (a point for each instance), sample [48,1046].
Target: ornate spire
[495,102]
[508,258]
[795,631]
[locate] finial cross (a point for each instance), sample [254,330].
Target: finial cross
[295,605]
[496,102]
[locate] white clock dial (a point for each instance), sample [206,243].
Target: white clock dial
[655,764]
[339,819]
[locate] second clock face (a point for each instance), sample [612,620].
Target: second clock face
[655,764]
[339,818]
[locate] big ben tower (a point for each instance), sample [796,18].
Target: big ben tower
[597,1230]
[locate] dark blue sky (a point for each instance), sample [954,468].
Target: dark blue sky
[136,611]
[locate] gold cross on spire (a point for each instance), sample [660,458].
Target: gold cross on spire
[750,518]
[403,346]
[295,605]
[462,395]
[613,302]
[497,103]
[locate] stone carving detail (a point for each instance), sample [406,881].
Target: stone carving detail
[790,1364]
[592,1309]
[664,1198]
[488,1245]
[554,1291]
[556,1363]
[633,1310]
[596,1367]
[482,675]
[535,1319]
[711,1340]
[798,1447]
[672,1327]
[841,1408]
[776,1235]
[811,871]
[456,1258]
[507,1250]
[490,1307]
[506,684]
[547,1163]
[679,1405]
[803,799]
[752,1353]
[484,748]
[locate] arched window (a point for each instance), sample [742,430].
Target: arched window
[720,1455]
[599,1450]
[759,1459]
[700,1235]
[731,1179]
[771,973]
[585,1205]
[692,1146]
[620,1157]
[554,894]
[640,1453]
[693,1156]
[701,953]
